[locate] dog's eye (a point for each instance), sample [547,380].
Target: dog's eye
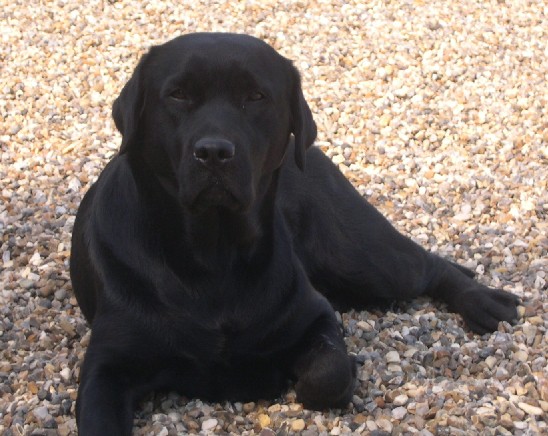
[180,95]
[255,96]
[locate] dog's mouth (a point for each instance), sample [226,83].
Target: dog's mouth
[215,194]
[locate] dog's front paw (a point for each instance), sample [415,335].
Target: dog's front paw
[482,308]
[328,382]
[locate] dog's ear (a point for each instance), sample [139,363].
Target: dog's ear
[128,107]
[303,126]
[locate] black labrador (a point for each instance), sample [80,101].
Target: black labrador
[208,254]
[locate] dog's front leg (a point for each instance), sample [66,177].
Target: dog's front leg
[481,307]
[105,401]
[324,371]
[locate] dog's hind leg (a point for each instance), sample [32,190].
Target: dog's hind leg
[354,256]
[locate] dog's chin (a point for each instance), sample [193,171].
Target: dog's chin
[216,197]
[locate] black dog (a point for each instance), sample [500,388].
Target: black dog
[205,254]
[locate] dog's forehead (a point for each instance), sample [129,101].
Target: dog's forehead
[218,50]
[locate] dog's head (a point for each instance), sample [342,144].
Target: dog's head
[211,115]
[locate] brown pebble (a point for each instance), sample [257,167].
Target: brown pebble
[249,407]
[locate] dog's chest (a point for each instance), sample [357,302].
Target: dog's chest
[224,341]
[230,337]
[230,312]
[223,326]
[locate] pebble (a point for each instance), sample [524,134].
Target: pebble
[440,121]
[65,374]
[298,425]
[531,410]
[248,407]
[400,400]
[491,362]
[42,413]
[521,355]
[399,413]
[392,357]
[264,420]
[209,424]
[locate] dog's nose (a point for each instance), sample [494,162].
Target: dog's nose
[211,151]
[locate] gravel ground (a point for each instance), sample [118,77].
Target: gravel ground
[436,111]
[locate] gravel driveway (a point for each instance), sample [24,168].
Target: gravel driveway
[436,111]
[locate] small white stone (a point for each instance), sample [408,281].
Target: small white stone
[400,400]
[392,357]
[209,424]
[36,259]
[399,413]
[338,159]
[65,374]
[381,73]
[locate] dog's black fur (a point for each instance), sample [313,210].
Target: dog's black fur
[206,255]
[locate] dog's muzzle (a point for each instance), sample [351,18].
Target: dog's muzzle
[214,176]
